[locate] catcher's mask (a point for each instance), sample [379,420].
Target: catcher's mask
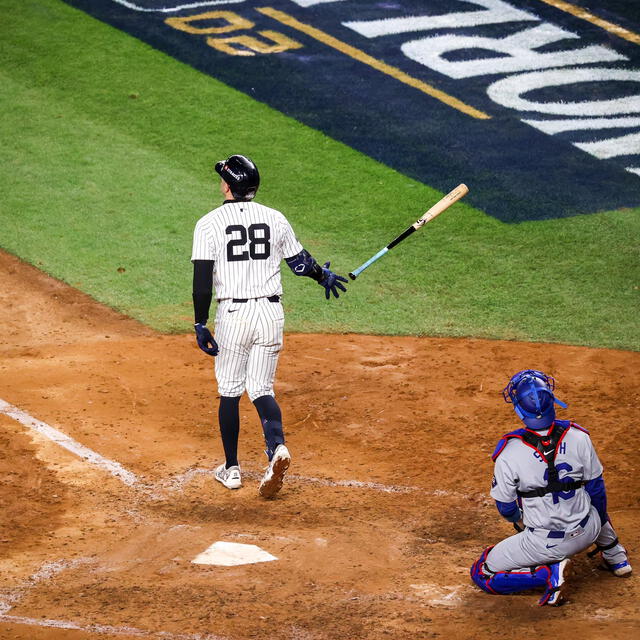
[241,175]
[531,393]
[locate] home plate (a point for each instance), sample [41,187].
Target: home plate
[232,554]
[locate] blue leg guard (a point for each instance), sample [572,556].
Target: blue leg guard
[506,582]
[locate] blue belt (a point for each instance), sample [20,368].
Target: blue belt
[561,534]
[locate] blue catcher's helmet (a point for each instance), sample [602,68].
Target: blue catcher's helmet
[531,393]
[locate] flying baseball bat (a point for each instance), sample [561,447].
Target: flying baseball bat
[453,196]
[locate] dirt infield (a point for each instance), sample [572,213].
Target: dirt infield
[385,508]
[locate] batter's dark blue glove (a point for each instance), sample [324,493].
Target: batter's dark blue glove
[331,281]
[205,340]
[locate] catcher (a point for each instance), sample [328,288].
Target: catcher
[548,482]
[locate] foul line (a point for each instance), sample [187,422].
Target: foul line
[68,443]
[579,12]
[361,56]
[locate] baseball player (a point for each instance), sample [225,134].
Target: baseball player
[238,248]
[548,482]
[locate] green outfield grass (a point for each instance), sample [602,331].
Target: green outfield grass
[107,153]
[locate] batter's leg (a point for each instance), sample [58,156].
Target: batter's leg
[234,335]
[271,418]
[265,349]
[229,420]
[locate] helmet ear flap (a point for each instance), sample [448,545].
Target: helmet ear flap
[518,411]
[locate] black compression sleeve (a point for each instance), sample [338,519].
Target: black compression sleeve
[202,289]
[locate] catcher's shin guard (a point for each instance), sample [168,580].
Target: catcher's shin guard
[507,582]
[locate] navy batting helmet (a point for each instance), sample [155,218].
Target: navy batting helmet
[241,174]
[531,393]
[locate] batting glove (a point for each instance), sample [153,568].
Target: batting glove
[331,281]
[205,340]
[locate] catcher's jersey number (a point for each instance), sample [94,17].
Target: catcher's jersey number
[248,243]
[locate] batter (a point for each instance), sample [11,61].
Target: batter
[548,482]
[237,249]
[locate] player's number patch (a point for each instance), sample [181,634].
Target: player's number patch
[258,238]
[565,495]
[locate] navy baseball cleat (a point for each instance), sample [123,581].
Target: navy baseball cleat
[274,475]
[556,593]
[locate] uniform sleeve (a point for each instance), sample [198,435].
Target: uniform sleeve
[289,246]
[504,483]
[509,510]
[202,289]
[203,247]
[598,494]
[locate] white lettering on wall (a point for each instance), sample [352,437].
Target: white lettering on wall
[493,12]
[310,3]
[612,147]
[517,52]
[509,91]
[582,124]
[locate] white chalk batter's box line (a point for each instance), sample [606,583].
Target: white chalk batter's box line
[108,630]
[68,443]
[180,481]
[444,596]
[8,600]
[48,570]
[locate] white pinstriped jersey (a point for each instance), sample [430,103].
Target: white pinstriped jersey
[519,467]
[247,241]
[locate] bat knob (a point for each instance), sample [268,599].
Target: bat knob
[352,276]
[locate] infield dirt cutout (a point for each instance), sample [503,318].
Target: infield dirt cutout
[384,508]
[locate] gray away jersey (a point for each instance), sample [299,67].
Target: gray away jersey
[247,241]
[520,467]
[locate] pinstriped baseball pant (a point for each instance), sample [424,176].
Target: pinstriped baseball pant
[249,335]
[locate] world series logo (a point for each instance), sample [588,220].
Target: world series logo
[525,103]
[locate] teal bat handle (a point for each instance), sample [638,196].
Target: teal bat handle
[356,272]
